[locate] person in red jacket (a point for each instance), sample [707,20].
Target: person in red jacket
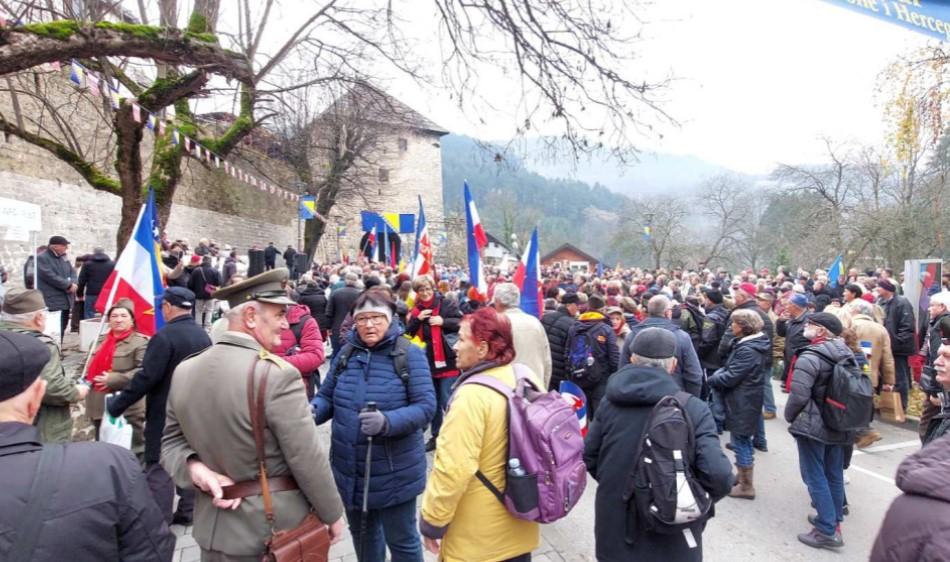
[302,346]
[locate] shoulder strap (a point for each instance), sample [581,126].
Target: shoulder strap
[343,358]
[41,490]
[400,356]
[255,408]
[297,327]
[682,398]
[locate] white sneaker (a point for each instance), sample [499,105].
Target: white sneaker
[846,479]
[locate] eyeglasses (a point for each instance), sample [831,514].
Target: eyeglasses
[367,320]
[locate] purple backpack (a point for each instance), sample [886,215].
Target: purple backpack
[545,474]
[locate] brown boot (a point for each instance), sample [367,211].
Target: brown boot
[867,439]
[743,488]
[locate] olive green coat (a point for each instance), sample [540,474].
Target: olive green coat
[207,418]
[127,360]
[54,419]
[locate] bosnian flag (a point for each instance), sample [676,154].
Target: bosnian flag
[422,260]
[528,278]
[573,395]
[477,240]
[137,275]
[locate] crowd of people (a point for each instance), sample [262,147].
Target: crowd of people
[226,399]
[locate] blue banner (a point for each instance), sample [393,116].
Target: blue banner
[930,17]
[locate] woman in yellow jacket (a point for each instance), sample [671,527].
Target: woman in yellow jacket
[461,520]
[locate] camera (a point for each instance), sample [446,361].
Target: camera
[928,381]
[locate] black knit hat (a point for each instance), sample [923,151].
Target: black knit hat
[596,302]
[22,357]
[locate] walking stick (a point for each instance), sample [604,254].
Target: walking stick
[370,407]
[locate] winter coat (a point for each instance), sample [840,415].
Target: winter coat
[229,270]
[610,452]
[882,359]
[740,382]
[809,383]
[126,361]
[451,321]
[714,325]
[598,326]
[900,324]
[289,254]
[531,343]
[270,256]
[689,373]
[473,525]
[200,278]
[307,354]
[917,525]
[341,300]
[793,330]
[93,275]
[725,344]
[316,300]
[556,325]
[55,275]
[54,419]
[101,509]
[399,462]
[177,340]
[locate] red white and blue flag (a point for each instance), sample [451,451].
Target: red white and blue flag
[371,244]
[477,240]
[422,261]
[528,278]
[575,397]
[138,274]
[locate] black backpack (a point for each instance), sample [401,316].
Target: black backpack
[585,363]
[662,493]
[399,355]
[849,396]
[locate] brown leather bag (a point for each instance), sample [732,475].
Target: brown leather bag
[310,540]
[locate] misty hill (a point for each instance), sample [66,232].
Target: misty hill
[653,174]
[513,199]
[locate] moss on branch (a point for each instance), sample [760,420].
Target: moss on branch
[60,29]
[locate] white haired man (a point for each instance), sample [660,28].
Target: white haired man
[531,342]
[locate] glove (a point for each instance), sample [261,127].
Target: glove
[373,423]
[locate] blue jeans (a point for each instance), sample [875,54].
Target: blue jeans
[822,471]
[742,447]
[89,307]
[394,527]
[443,392]
[768,404]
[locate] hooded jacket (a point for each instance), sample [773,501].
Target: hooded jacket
[809,383]
[557,323]
[399,461]
[689,372]
[917,525]
[725,344]
[610,455]
[309,352]
[740,381]
[315,297]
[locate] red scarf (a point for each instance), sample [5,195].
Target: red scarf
[791,366]
[102,360]
[438,349]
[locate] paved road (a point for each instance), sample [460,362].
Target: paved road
[763,529]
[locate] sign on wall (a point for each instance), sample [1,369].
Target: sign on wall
[19,219]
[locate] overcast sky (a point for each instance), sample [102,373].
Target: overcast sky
[759,81]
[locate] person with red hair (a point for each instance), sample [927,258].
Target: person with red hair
[460,520]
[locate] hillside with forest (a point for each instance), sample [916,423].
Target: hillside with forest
[512,199]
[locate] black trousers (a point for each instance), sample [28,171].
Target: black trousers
[163,491]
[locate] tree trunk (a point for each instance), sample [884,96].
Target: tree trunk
[128,165]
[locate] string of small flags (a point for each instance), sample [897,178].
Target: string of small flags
[98,86]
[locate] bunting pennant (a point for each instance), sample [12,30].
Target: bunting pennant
[101,86]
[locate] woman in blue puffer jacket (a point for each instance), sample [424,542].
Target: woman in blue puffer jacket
[378,365]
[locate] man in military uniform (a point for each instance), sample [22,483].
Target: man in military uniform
[24,311]
[208,442]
